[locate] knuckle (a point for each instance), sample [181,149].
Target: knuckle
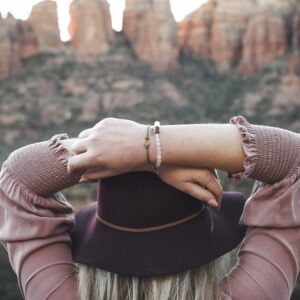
[210,177]
[107,121]
[93,138]
[75,145]
[197,195]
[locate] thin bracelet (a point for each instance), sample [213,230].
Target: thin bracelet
[147,144]
[156,131]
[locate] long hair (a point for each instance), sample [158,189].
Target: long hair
[201,283]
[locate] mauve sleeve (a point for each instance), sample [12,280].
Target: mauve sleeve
[269,258]
[35,220]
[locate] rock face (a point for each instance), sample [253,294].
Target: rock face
[10,61]
[90,27]
[287,96]
[247,34]
[152,31]
[215,31]
[230,23]
[265,39]
[29,42]
[43,19]
[296,32]
[195,31]
[17,42]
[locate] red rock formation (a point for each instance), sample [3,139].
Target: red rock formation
[215,31]
[44,22]
[296,32]
[10,61]
[17,41]
[265,39]
[195,31]
[277,6]
[248,34]
[230,23]
[90,27]
[152,31]
[287,96]
[29,43]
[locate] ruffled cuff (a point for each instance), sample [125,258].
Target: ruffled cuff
[271,153]
[273,158]
[42,167]
[249,146]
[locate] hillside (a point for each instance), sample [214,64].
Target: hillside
[58,92]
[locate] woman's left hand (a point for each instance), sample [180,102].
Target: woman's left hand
[200,183]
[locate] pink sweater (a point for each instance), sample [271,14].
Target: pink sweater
[35,218]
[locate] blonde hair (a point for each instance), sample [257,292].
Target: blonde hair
[201,283]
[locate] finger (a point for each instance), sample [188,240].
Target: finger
[85,133]
[80,163]
[94,176]
[78,147]
[211,183]
[92,173]
[200,193]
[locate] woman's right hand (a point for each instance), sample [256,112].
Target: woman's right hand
[111,147]
[200,183]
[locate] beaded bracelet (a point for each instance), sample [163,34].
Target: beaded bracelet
[155,130]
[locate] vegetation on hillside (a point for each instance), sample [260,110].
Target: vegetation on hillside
[62,85]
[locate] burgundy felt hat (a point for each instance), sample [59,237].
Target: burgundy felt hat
[141,226]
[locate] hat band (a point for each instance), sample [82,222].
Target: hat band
[154,228]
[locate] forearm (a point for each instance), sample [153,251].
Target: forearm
[206,145]
[115,146]
[267,154]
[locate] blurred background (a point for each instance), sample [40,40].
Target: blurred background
[64,65]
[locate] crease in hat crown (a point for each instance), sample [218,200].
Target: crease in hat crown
[142,202]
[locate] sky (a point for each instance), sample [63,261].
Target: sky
[22,8]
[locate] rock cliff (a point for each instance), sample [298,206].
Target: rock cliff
[242,35]
[151,30]
[43,19]
[90,27]
[17,41]
[247,34]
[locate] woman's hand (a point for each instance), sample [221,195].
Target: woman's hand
[200,183]
[111,147]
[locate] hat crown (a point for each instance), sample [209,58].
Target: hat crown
[140,200]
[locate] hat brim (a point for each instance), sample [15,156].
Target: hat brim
[167,251]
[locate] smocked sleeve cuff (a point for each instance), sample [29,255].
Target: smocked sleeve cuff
[42,167]
[272,156]
[271,153]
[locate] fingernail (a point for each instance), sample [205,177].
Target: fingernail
[213,203]
[83,180]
